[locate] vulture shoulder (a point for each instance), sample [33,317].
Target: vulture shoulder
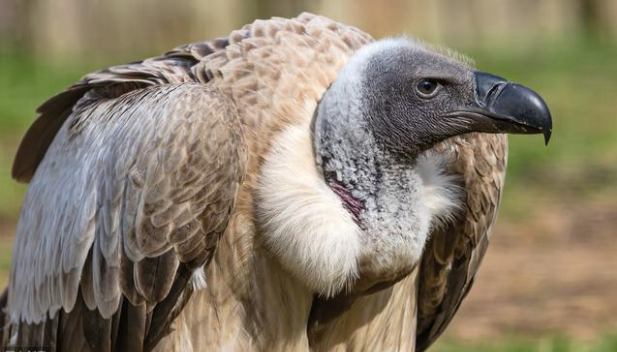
[127,205]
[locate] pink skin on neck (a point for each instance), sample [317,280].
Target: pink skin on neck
[350,203]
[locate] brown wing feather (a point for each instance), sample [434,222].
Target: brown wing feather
[138,244]
[453,254]
[172,67]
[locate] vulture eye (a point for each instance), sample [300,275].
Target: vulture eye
[427,88]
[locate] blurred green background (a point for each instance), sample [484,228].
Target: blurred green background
[549,281]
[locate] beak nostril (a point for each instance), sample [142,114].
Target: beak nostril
[485,84]
[494,93]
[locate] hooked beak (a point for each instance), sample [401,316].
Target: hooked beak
[502,106]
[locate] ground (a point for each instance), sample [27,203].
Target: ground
[560,280]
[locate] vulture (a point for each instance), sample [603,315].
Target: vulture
[293,186]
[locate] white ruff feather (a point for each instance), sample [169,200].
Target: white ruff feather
[304,223]
[441,193]
[198,279]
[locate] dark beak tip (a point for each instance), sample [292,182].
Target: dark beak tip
[542,116]
[547,136]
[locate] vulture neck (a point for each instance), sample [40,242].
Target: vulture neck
[401,197]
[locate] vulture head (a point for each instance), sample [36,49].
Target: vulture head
[374,173]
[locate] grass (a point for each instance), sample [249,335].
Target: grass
[25,82]
[578,81]
[605,343]
[6,246]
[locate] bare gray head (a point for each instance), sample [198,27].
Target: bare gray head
[394,100]
[410,97]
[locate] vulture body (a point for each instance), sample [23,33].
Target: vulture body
[292,186]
